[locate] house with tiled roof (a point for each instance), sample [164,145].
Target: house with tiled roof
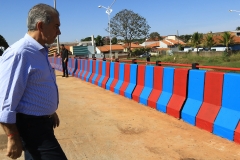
[218,36]
[116,48]
[53,49]
[236,39]
[153,45]
[147,43]
[170,42]
[218,46]
[133,46]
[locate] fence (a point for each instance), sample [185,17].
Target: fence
[206,99]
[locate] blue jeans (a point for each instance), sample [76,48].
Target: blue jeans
[38,138]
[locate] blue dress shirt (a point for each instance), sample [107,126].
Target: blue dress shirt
[27,81]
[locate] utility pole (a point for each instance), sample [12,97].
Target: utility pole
[178,37]
[58,49]
[109,11]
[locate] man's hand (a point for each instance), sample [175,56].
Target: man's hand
[14,147]
[55,119]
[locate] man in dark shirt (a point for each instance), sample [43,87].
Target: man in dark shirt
[64,56]
[148,58]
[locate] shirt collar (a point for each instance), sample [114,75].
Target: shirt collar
[37,45]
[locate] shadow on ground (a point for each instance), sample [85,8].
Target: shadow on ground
[3,141]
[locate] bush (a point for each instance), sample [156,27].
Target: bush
[225,56]
[235,57]
[224,60]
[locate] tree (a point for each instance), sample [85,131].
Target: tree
[99,41]
[180,47]
[209,41]
[185,38]
[155,36]
[196,40]
[3,42]
[139,51]
[105,40]
[87,39]
[114,40]
[129,25]
[238,28]
[227,39]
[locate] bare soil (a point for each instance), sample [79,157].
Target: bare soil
[97,124]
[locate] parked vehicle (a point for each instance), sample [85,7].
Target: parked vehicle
[145,55]
[220,48]
[200,49]
[188,49]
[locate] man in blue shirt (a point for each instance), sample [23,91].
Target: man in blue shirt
[29,93]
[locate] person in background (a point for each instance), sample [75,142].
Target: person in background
[148,58]
[29,93]
[64,55]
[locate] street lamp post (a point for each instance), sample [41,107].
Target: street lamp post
[234,11]
[58,49]
[109,11]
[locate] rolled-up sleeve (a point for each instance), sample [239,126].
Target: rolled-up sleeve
[13,81]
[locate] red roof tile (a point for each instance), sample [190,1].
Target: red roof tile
[163,49]
[157,44]
[106,48]
[133,45]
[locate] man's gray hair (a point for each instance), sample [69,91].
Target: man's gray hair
[40,13]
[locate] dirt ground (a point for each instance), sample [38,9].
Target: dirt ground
[97,124]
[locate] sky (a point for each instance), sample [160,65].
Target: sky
[82,18]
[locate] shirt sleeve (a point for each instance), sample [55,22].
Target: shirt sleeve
[13,81]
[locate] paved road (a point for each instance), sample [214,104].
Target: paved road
[97,124]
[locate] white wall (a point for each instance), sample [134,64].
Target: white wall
[71,49]
[173,37]
[163,45]
[147,43]
[174,49]
[97,51]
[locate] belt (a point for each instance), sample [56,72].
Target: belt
[25,116]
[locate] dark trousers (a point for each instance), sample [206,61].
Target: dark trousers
[38,138]
[64,67]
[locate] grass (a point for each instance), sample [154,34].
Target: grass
[224,60]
